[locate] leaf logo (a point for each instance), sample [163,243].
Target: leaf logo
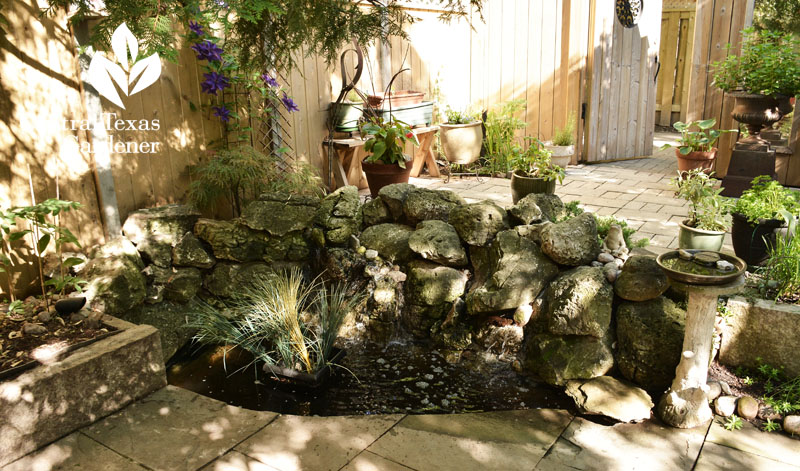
[103,73]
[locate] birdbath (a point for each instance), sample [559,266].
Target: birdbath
[685,405]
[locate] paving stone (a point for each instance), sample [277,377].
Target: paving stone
[176,429]
[716,457]
[508,441]
[315,443]
[74,452]
[649,446]
[368,461]
[235,461]
[751,440]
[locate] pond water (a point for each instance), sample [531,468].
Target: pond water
[403,377]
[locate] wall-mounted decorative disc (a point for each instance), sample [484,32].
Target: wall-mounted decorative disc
[629,11]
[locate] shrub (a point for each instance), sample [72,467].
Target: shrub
[566,135]
[501,125]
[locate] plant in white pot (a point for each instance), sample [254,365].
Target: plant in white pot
[461,136]
[707,223]
[562,147]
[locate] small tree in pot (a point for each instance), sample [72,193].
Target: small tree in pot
[386,163]
[696,149]
[462,137]
[707,222]
[533,171]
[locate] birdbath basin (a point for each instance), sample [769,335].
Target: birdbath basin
[685,404]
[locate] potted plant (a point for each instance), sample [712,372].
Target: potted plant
[395,99]
[533,171]
[761,78]
[562,147]
[707,222]
[696,149]
[756,216]
[462,137]
[386,162]
[345,115]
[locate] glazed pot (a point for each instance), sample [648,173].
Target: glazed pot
[696,159]
[560,155]
[461,143]
[757,111]
[380,175]
[750,241]
[693,238]
[523,186]
[346,116]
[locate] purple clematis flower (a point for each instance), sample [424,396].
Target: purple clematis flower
[223,113]
[209,51]
[270,81]
[289,103]
[214,82]
[196,28]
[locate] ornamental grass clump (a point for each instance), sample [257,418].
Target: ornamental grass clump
[281,321]
[782,266]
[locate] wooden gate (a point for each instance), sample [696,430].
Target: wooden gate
[622,67]
[675,52]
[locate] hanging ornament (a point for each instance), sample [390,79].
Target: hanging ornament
[629,11]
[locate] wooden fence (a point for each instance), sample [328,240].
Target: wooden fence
[675,51]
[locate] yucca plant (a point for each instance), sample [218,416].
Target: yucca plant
[282,321]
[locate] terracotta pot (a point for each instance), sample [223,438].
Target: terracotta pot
[750,241]
[696,159]
[379,175]
[693,238]
[523,186]
[757,111]
[461,143]
[395,99]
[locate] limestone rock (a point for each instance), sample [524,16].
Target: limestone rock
[532,231]
[423,204]
[232,241]
[376,212]
[579,303]
[478,223]
[431,285]
[725,405]
[394,197]
[558,359]
[453,333]
[610,397]
[438,242]
[340,215]
[183,284]
[573,242]
[390,240]
[33,329]
[229,279]
[791,424]
[419,320]
[189,252]
[341,265]
[500,339]
[115,248]
[155,231]
[650,341]
[510,273]
[116,284]
[714,389]
[280,213]
[552,207]
[170,320]
[747,407]
[641,279]
[526,211]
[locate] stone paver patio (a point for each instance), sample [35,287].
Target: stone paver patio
[175,429]
[635,190]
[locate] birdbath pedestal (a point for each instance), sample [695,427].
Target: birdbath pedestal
[685,404]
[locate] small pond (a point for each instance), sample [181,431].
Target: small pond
[403,377]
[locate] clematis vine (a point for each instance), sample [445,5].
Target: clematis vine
[223,113]
[196,28]
[289,103]
[214,82]
[270,81]
[208,51]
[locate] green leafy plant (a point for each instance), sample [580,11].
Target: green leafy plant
[386,141]
[16,307]
[765,200]
[535,162]
[702,140]
[783,259]
[770,426]
[281,321]
[501,125]
[565,136]
[460,117]
[734,422]
[768,64]
[241,174]
[708,209]
[604,223]
[781,393]
[571,209]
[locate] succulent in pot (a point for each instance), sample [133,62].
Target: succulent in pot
[757,216]
[562,147]
[461,137]
[696,149]
[762,77]
[386,162]
[707,222]
[533,170]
